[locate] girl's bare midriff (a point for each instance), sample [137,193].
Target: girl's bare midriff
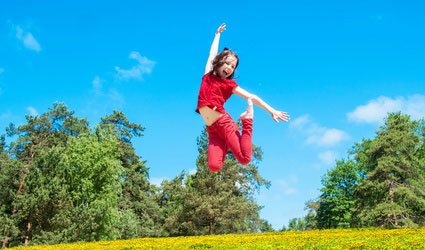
[209,115]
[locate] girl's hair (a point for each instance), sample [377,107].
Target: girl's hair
[220,59]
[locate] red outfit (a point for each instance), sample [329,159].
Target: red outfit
[214,92]
[223,134]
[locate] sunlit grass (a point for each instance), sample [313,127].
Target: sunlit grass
[315,239]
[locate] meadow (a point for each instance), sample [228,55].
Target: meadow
[314,239]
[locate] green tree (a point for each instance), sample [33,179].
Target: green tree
[392,194]
[137,199]
[91,172]
[216,203]
[336,203]
[297,224]
[311,217]
[9,179]
[27,195]
[2,143]
[61,181]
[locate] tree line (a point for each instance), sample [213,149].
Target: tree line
[380,184]
[64,181]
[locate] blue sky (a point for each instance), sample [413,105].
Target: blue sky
[337,67]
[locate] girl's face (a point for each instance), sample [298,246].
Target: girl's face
[226,70]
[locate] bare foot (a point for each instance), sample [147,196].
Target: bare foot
[249,113]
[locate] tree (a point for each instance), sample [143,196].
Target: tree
[311,218]
[9,176]
[137,198]
[392,194]
[61,181]
[216,203]
[26,194]
[336,203]
[297,224]
[91,168]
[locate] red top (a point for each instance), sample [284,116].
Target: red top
[214,92]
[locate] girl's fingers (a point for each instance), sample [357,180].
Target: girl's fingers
[280,116]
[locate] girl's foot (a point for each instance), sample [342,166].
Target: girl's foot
[249,113]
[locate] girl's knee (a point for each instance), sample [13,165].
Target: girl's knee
[215,167]
[244,161]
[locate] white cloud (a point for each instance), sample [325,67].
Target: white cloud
[377,109]
[97,85]
[318,135]
[102,99]
[32,111]
[116,97]
[326,137]
[300,122]
[144,66]
[111,95]
[287,186]
[328,157]
[192,171]
[157,181]
[27,39]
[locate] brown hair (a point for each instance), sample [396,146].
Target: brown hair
[220,59]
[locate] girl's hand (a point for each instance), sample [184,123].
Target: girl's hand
[221,28]
[280,115]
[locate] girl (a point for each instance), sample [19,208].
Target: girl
[217,86]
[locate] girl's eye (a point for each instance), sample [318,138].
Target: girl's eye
[231,65]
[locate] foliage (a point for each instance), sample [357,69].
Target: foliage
[382,185]
[61,181]
[297,224]
[214,203]
[336,203]
[137,199]
[392,194]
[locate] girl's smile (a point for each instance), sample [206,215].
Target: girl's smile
[226,70]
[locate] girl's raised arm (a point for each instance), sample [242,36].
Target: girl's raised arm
[276,114]
[214,47]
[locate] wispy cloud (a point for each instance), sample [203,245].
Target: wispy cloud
[103,99]
[286,186]
[6,117]
[97,85]
[144,66]
[316,134]
[111,95]
[115,97]
[377,109]
[27,39]
[328,157]
[157,180]
[32,111]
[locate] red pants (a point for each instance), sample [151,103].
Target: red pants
[223,135]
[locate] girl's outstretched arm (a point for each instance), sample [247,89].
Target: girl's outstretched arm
[214,47]
[276,114]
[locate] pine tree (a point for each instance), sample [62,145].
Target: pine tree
[392,193]
[217,203]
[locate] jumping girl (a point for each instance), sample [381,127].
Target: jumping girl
[217,86]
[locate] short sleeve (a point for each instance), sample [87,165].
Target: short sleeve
[232,85]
